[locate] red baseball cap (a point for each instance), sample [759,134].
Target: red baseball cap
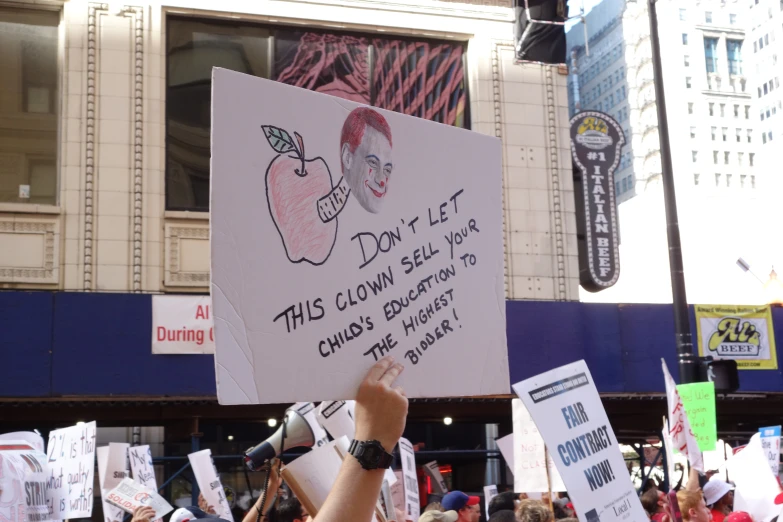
[739,516]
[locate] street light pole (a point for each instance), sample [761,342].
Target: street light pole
[688,363]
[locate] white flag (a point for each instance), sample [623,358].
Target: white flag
[679,427]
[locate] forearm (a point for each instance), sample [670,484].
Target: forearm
[354,494]
[693,480]
[252,514]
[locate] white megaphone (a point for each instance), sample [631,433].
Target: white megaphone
[294,432]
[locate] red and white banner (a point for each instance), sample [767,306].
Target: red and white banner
[679,427]
[182,324]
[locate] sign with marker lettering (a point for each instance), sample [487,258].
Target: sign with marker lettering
[23,477]
[596,140]
[140,458]
[742,333]
[534,469]
[698,398]
[565,405]
[376,234]
[770,444]
[182,324]
[71,459]
[209,484]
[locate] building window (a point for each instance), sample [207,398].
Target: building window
[752,181]
[682,14]
[28,105]
[616,188]
[695,179]
[711,54]
[724,131]
[736,111]
[694,156]
[740,158]
[684,38]
[687,60]
[732,19]
[714,131]
[726,158]
[728,180]
[751,158]
[708,17]
[690,107]
[687,83]
[763,137]
[715,157]
[722,110]
[734,54]
[750,132]
[742,180]
[747,112]
[769,136]
[712,109]
[423,78]
[717,179]
[693,132]
[739,135]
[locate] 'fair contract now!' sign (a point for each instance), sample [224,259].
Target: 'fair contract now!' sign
[565,405]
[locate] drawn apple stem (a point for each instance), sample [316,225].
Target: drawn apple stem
[301,152]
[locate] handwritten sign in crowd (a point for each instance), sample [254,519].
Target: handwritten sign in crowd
[380,234]
[698,398]
[534,469]
[71,461]
[209,484]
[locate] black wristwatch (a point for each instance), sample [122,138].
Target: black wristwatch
[370,454]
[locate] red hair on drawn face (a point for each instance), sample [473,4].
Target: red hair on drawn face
[355,123]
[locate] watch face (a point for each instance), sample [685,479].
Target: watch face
[372,453]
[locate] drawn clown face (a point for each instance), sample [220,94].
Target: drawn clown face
[368,169]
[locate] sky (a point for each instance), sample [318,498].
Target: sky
[575,5]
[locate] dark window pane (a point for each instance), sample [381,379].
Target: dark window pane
[193,48]
[333,64]
[421,79]
[28,105]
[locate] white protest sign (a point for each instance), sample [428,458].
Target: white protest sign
[130,495]
[770,443]
[71,460]
[398,492]
[307,410]
[116,465]
[506,447]
[410,479]
[337,418]
[414,269]
[531,460]
[140,458]
[110,513]
[490,492]
[568,412]
[433,470]
[23,482]
[679,426]
[756,486]
[312,475]
[34,439]
[668,445]
[209,483]
[182,324]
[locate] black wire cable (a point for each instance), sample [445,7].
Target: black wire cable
[268,466]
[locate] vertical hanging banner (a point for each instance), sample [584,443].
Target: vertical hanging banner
[182,324]
[742,333]
[71,460]
[682,436]
[410,480]
[699,401]
[567,409]
[341,233]
[596,140]
[209,483]
[531,461]
[770,444]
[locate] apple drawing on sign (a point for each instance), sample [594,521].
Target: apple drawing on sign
[294,187]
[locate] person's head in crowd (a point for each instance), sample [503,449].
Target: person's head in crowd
[692,506]
[741,516]
[433,506]
[503,501]
[533,511]
[503,515]
[650,484]
[719,497]
[466,506]
[438,516]
[291,510]
[654,501]
[560,511]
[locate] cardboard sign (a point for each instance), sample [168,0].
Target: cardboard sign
[699,401]
[130,495]
[742,333]
[307,410]
[380,233]
[438,484]
[182,324]
[312,475]
[565,404]
[682,436]
[23,481]
[33,438]
[531,461]
[490,492]
[110,513]
[506,447]
[410,480]
[596,141]
[71,460]
[209,483]
[117,468]
[770,444]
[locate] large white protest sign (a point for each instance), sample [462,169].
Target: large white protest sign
[568,412]
[130,495]
[31,437]
[71,460]
[410,479]
[182,324]
[534,469]
[209,483]
[23,477]
[414,269]
[679,426]
[110,513]
[756,487]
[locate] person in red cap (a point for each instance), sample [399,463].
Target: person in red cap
[739,516]
[466,506]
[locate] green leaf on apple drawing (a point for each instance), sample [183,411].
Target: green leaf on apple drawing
[279,139]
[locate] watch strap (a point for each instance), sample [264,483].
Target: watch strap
[385,459]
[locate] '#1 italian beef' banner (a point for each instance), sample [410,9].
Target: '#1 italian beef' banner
[742,333]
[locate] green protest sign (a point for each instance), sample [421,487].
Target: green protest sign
[699,401]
